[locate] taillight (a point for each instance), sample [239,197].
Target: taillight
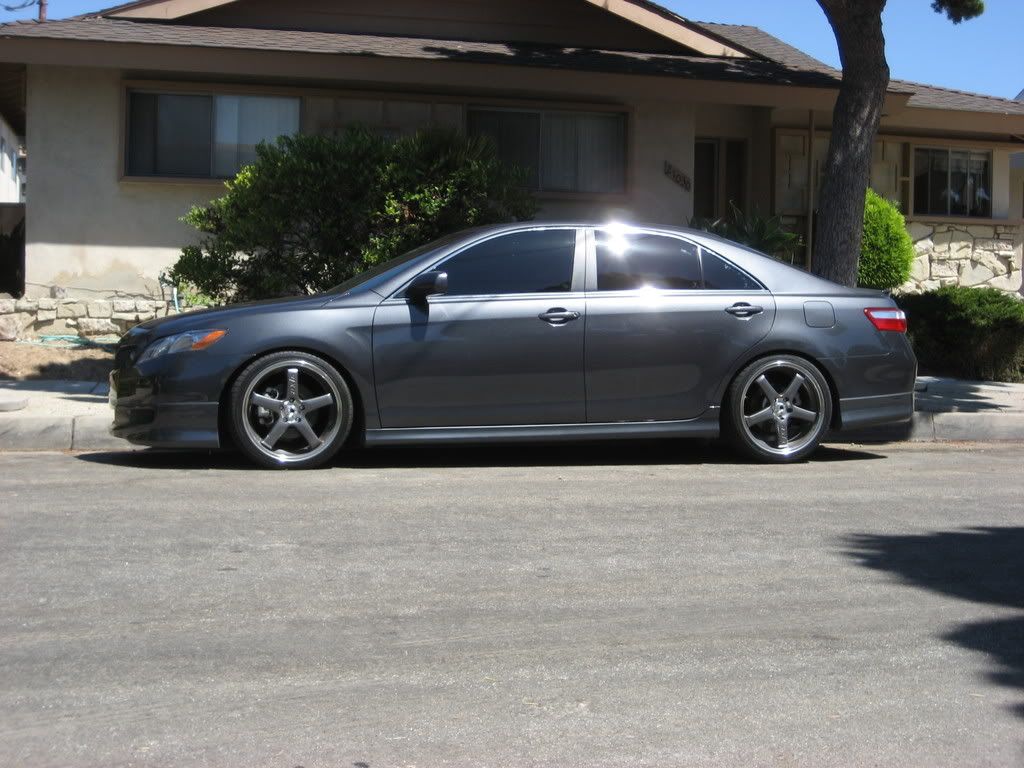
[887,318]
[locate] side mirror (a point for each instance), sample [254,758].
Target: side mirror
[426,284]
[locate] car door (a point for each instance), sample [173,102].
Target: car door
[666,322]
[502,346]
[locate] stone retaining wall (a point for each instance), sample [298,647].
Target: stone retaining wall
[950,253]
[21,318]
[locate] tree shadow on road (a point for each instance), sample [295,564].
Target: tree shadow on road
[982,565]
[619,453]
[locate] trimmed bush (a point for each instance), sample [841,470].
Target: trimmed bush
[314,211]
[886,251]
[969,333]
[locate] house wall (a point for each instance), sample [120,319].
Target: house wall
[87,232]
[1017,185]
[93,235]
[949,250]
[560,22]
[10,177]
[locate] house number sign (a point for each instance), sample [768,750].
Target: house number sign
[677,176]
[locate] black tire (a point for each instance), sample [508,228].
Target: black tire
[783,418]
[290,410]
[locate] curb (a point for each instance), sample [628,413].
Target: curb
[66,433]
[89,433]
[927,427]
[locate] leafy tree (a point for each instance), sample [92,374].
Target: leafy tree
[857,25]
[313,211]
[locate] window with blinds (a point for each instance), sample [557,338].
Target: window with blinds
[558,151]
[202,135]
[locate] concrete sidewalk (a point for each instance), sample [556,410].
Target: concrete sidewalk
[55,415]
[74,415]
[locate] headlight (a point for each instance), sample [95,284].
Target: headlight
[181,342]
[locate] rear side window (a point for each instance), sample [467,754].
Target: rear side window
[720,275]
[538,261]
[629,261]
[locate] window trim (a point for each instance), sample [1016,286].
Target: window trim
[542,108]
[309,92]
[575,287]
[591,270]
[970,149]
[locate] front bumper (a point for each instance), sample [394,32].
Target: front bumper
[172,402]
[168,425]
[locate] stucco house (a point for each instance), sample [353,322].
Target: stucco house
[618,108]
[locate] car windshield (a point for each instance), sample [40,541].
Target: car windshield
[384,267]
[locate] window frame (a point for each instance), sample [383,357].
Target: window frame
[575,287]
[624,112]
[591,270]
[949,149]
[172,88]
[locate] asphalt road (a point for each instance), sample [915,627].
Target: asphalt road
[628,605]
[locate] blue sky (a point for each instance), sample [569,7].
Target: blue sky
[985,55]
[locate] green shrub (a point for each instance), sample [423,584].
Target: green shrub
[886,251]
[969,333]
[313,211]
[766,234]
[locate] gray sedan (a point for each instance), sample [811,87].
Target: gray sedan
[527,332]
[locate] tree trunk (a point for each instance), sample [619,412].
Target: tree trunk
[858,28]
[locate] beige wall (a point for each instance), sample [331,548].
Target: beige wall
[96,235]
[86,231]
[1017,185]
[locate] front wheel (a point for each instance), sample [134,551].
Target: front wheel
[290,410]
[779,409]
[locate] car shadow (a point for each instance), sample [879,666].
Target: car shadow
[646,452]
[981,565]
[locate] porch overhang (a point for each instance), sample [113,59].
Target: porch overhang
[581,75]
[12,95]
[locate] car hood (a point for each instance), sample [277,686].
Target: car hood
[213,318]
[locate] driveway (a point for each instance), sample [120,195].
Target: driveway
[626,605]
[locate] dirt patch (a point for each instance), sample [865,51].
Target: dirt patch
[31,361]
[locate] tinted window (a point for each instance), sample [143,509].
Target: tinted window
[628,261]
[720,275]
[202,136]
[524,262]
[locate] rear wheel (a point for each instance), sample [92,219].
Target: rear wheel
[779,409]
[290,410]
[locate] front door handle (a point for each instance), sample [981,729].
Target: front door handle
[558,316]
[742,309]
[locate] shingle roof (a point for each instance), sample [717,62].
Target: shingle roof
[622,62]
[759,42]
[922,96]
[778,62]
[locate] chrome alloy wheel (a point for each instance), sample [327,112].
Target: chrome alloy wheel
[292,411]
[783,406]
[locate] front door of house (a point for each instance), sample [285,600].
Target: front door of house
[719,177]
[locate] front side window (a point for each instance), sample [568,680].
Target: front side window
[204,135]
[952,182]
[560,151]
[636,261]
[537,261]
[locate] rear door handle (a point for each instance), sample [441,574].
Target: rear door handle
[558,316]
[742,309]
